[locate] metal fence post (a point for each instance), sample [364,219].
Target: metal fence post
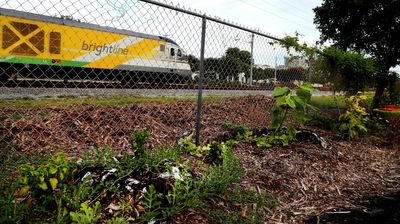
[252,58]
[310,68]
[200,90]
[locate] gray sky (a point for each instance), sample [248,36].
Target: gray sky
[277,17]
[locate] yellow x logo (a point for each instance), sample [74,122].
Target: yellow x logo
[23,39]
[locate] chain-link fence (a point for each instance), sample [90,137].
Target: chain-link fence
[86,59]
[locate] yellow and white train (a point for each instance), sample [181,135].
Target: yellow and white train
[67,49]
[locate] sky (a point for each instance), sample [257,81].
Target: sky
[276,17]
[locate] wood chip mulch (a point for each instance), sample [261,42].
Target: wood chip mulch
[310,180]
[307,179]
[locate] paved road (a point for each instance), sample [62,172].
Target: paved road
[37,93]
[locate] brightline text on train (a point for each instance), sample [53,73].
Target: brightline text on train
[109,49]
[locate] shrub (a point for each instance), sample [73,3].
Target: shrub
[353,122]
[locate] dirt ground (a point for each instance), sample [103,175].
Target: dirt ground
[307,179]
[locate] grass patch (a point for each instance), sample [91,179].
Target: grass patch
[107,101]
[328,101]
[339,101]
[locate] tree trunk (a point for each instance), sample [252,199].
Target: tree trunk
[382,83]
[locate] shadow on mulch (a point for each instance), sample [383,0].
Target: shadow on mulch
[385,210]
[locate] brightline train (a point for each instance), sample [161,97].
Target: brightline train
[35,46]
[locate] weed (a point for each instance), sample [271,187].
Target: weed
[241,131]
[251,203]
[87,215]
[17,116]
[216,179]
[138,140]
[45,113]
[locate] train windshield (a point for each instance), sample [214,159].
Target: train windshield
[182,55]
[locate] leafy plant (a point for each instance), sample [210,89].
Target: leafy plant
[138,140]
[46,177]
[241,132]
[99,157]
[287,104]
[216,152]
[277,138]
[87,215]
[191,148]
[354,121]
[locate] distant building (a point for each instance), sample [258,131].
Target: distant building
[295,63]
[281,67]
[263,67]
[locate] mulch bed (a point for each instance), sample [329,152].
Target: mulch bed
[78,127]
[307,179]
[311,180]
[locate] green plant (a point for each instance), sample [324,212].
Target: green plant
[118,220]
[353,122]
[216,179]
[87,215]
[216,152]
[99,157]
[287,105]
[151,203]
[46,177]
[138,140]
[191,148]
[251,202]
[277,138]
[45,113]
[241,131]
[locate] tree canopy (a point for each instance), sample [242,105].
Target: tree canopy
[365,26]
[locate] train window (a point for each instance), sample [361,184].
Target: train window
[172,51]
[55,43]
[33,46]
[179,53]
[162,47]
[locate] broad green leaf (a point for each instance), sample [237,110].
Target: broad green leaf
[53,170]
[290,102]
[291,131]
[280,101]
[43,186]
[301,117]
[53,183]
[25,180]
[280,91]
[307,86]
[303,94]
[300,102]
[24,190]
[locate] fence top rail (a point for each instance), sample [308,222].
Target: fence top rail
[210,18]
